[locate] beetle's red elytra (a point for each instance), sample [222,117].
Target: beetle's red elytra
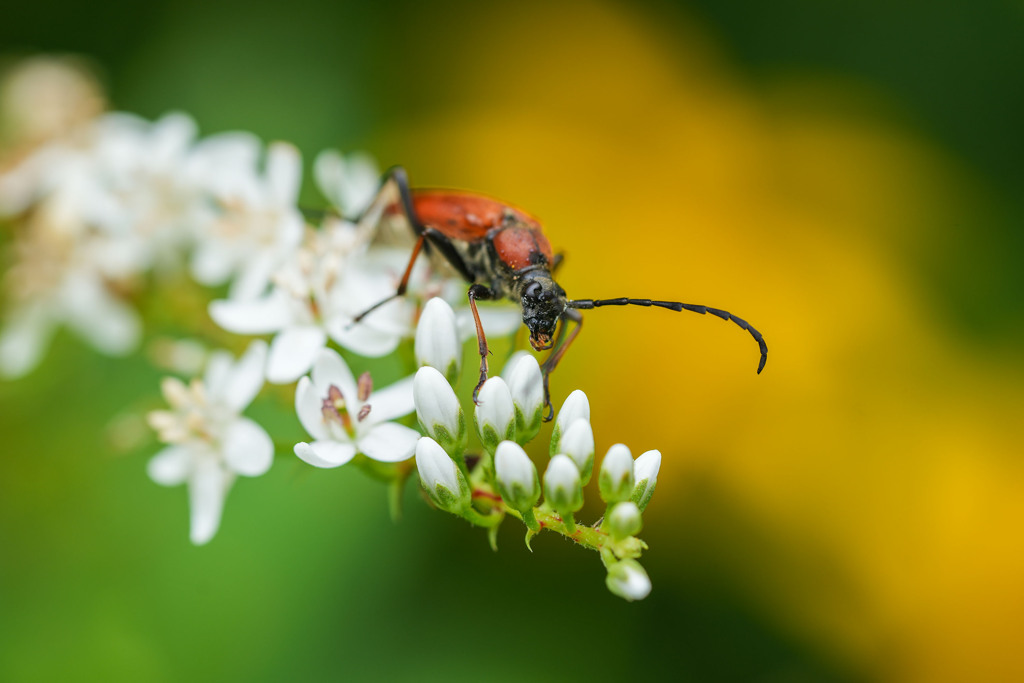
[503,253]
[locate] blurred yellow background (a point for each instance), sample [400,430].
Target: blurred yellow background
[853,513]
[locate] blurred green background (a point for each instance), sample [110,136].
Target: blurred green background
[847,176]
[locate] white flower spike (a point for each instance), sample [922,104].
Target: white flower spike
[441,479]
[437,339]
[439,412]
[210,442]
[645,471]
[495,414]
[616,478]
[345,416]
[527,386]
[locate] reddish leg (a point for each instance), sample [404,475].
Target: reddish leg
[561,346]
[484,294]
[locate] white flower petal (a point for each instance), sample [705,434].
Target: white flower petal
[208,487]
[284,173]
[254,276]
[331,369]
[171,466]
[258,316]
[362,338]
[325,454]
[392,401]
[293,351]
[24,340]
[244,379]
[308,406]
[389,442]
[111,326]
[248,448]
[212,263]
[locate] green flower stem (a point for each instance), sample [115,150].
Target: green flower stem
[590,537]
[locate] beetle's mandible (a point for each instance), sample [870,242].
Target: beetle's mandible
[503,253]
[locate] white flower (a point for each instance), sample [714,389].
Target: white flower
[578,444]
[628,580]
[349,183]
[516,476]
[562,488]
[438,410]
[317,294]
[522,373]
[49,293]
[646,475]
[441,479]
[256,225]
[210,442]
[345,416]
[616,478]
[576,406]
[437,339]
[495,414]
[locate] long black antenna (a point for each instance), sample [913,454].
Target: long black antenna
[679,306]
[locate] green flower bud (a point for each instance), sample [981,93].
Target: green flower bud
[516,477]
[495,414]
[623,520]
[628,580]
[645,472]
[441,479]
[576,406]
[439,412]
[562,489]
[616,478]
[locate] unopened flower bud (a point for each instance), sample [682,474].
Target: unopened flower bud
[516,477]
[645,472]
[575,407]
[437,339]
[495,414]
[628,580]
[616,478]
[562,489]
[624,520]
[438,410]
[578,444]
[441,479]
[527,387]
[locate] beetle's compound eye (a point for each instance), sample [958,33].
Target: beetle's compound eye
[532,291]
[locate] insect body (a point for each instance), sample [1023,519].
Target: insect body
[503,253]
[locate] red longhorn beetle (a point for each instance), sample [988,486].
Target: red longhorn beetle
[502,252]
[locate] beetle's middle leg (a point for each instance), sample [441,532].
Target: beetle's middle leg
[394,191]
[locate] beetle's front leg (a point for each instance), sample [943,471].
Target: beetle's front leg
[484,294]
[560,347]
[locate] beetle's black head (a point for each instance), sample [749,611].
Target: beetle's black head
[543,303]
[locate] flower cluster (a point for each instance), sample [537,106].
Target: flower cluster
[108,208]
[503,480]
